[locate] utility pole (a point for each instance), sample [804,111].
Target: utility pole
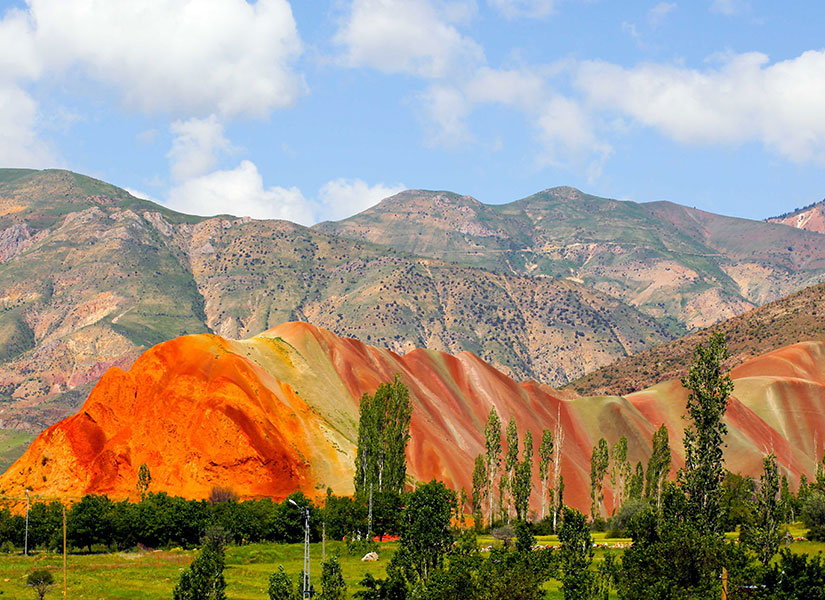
[26,543]
[64,551]
[307,590]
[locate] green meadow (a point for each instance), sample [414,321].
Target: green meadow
[153,575]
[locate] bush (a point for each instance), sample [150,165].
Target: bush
[41,581]
[281,586]
[813,515]
[620,522]
[7,547]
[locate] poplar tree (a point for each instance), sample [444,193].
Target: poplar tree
[479,494]
[558,481]
[709,388]
[599,462]
[764,535]
[383,434]
[619,472]
[492,439]
[658,466]
[545,460]
[523,480]
[510,462]
[637,483]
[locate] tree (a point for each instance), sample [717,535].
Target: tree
[492,438]
[599,462]
[41,581]
[426,536]
[383,434]
[511,462]
[281,586]
[545,460]
[813,515]
[737,501]
[143,481]
[332,580]
[764,535]
[637,483]
[658,466]
[89,521]
[203,579]
[578,581]
[558,482]
[619,472]
[796,577]
[709,388]
[523,481]
[479,491]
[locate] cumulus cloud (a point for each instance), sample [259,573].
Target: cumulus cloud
[523,8]
[729,7]
[342,198]
[745,99]
[240,192]
[405,36]
[196,147]
[20,145]
[228,57]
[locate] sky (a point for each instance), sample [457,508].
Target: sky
[315,110]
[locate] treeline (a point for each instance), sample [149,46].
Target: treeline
[163,521]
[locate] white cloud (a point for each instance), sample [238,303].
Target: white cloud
[443,109]
[729,7]
[196,147]
[405,36]
[240,192]
[20,146]
[658,13]
[188,57]
[524,8]
[746,99]
[342,198]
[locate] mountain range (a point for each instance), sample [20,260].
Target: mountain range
[549,288]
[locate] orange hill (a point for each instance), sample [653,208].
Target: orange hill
[278,412]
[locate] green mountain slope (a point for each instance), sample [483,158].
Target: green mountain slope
[685,267]
[89,276]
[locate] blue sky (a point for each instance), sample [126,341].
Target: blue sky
[316,110]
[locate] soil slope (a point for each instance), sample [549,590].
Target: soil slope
[278,411]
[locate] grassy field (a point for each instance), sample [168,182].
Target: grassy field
[12,445]
[153,575]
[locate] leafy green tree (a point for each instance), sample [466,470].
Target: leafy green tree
[545,461]
[523,480]
[795,577]
[45,524]
[90,522]
[332,580]
[203,579]
[709,387]
[765,534]
[637,483]
[281,587]
[479,491]
[599,462]
[144,480]
[426,536]
[658,466]
[578,581]
[619,472]
[671,558]
[804,489]
[383,434]
[492,440]
[510,463]
[813,515]
[786,500]
[737,501]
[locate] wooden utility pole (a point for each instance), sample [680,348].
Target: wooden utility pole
[64,551]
